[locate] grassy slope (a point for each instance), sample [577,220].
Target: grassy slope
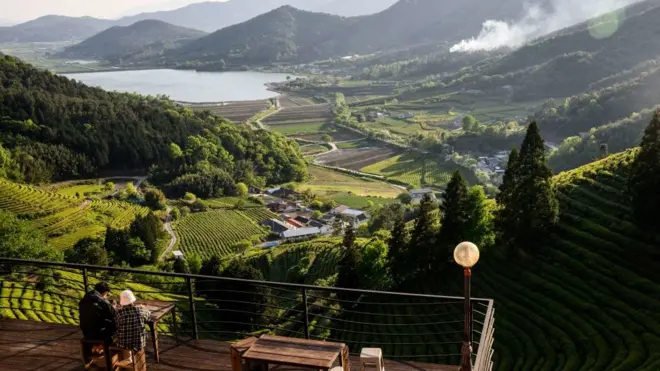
[327,182]
[65,218]
[415,171]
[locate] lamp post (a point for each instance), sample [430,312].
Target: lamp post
[466,254]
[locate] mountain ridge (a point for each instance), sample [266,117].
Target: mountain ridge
[148,36]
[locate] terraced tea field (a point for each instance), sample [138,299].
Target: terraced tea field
[234,111]
[414,170]
[66,219]
[215,232]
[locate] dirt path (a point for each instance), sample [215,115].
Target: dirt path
[85,204]
[170,231]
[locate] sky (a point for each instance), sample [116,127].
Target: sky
[25,10]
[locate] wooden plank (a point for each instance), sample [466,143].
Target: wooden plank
[29,346]
[293,352]
[287,360]
[339,346]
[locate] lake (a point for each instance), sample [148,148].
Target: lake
[187,86]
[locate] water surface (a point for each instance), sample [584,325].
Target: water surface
[187,86]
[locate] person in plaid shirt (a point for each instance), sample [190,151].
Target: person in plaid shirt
[131,319]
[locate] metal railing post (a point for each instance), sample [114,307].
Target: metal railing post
[304,299]
[85,281]
[193,313]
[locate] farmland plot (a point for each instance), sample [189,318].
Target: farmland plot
[357,158]
[234,111]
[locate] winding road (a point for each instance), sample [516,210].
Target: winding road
[170,231]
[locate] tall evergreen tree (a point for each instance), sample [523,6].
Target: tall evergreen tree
[533,201]
[349,237]
[423,238]
[454,219]
[506,214]
[479,225]
[644,182]
[398,250]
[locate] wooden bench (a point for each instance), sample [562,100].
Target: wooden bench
[237,350]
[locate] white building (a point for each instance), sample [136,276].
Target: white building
[300,233]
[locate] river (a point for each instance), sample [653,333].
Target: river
[184,85]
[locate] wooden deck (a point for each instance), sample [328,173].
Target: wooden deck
[32,346]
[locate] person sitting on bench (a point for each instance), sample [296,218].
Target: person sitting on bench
[131,318]
[97,316]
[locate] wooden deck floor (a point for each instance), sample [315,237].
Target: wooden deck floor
[38,346]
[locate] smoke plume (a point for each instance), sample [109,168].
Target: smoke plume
[539,21]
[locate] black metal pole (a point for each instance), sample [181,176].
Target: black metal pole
[85,282]
[304,299]
[466,362]
[193,313]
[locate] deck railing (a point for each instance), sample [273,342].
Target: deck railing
[414,327]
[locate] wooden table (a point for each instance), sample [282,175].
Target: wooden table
[158,309]
[286,351]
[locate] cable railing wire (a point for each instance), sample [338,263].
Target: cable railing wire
[282,308]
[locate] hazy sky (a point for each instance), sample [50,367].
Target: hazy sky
[23,10]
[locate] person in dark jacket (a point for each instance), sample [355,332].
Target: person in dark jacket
[97,315]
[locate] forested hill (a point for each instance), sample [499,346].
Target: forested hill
[283,34]
[141,37]
[52,28]
[572,60]
[57,128]
[293,35]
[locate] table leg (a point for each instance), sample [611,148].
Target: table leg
[174,326]
[154,339]
[346,362]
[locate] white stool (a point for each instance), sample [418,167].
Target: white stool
[372,357]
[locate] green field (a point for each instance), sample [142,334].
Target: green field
[82,190]
[327,182]
[412,169]
[66,219]
[360,202]
[215,232]
[313,149]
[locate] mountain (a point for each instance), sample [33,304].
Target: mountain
[53,28]
[212,16]
[209,16]
[143,37]
[288,34]
[283,34]
[351,8]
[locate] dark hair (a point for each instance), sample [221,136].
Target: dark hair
[102,287]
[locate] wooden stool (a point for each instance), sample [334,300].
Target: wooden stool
[372,357]
[130,360]
[237,350]
[90,360]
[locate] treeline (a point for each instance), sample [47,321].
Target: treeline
[615,137]
[580,113]
[134,246]
[419,249]
[57,128]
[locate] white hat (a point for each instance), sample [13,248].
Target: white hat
[127,298]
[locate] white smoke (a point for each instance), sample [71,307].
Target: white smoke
[537,22]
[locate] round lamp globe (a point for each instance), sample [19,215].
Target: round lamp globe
[466,254]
